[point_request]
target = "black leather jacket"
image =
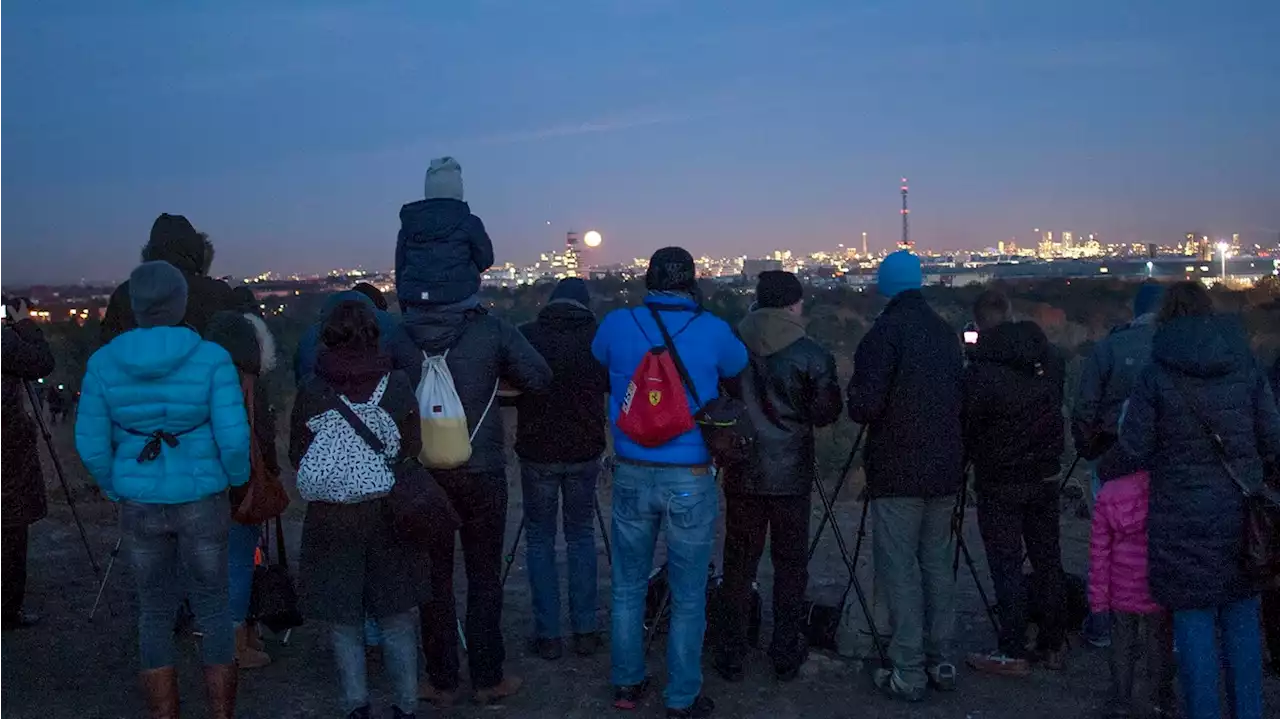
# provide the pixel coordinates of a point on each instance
(790, 387)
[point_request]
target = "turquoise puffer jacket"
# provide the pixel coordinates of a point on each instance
(163, 379)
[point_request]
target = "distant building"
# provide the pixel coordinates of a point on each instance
(751, 268)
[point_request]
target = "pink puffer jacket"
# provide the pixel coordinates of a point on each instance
(1118, 548)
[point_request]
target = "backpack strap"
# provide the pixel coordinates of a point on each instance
(381, 389)
(675, 355)
(484, 414)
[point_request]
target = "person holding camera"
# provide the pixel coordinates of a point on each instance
(26, 358)
(1014, 436)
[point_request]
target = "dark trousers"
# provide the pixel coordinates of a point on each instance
(481, 502)
(14, 571)
(1271, 626)
(748, 518)
(1131, 636)
(1008, 517)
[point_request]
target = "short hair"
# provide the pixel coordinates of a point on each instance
(992, 308)
(1186, 299)
(351, 325)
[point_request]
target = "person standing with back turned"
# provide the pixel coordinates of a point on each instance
(1202, 405)
(666, 487)
(789, 389)
(559, 439)
(907, 388)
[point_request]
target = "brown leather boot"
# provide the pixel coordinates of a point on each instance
(220, 686)
(246, 656)
(161, 689)
(496, 693)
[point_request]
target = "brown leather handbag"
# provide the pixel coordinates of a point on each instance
(264, 495)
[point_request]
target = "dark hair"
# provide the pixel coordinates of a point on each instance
(991, 308)
(1186, 299)
(351, 325)
(373, 293)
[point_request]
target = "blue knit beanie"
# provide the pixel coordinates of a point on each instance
(1148, 299)
(899, 272)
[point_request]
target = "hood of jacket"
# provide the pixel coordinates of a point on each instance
(1020, 345)
(436, 329)
(769, 330)
(565, 315)
(433, 219)
(184, 252)
(236, 334)
(154, 352)
(1210, 346)
(1128, 500)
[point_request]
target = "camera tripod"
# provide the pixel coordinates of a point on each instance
(66, 489)
(962, 549)
(510, 557)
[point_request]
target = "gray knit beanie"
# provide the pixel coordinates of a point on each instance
(158, 295)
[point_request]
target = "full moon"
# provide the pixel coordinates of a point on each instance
(592, 239)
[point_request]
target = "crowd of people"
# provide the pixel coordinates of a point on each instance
(1172, 410)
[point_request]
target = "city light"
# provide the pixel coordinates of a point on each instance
(1222, 253)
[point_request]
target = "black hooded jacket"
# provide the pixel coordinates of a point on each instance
(1013, 421)
(483, 349)
(205, 295)
(1194, 530)
(440, 252)
(907, 387)
(789, 388)
(566, 421)
(252, 349)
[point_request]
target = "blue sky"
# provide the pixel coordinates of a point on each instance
(293, 133)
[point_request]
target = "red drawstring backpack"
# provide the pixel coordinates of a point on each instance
(655, 409)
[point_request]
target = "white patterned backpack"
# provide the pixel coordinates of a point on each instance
(339, 466)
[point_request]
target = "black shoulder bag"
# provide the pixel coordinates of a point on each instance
(1260, 551)
(725, 424)
(273, 600)
(419, 506)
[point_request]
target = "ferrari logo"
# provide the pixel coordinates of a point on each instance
(655, 396)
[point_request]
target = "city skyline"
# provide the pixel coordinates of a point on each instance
(292, 135)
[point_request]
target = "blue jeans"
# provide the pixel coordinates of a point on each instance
(165, 544)
(683, 502)
(543, 486)
(399, 655)
(242, 543)
(1199, 661)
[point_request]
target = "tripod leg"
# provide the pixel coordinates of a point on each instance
(604, 533)
(62, 479)
(844, 474)
(115, 552)
(657, 620)
(963, 548)
(853, 576)
(511, 555)
(462, 635)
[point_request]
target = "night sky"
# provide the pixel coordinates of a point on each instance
(293, 135)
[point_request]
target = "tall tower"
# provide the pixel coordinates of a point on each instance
(906, 243)
(864, 244)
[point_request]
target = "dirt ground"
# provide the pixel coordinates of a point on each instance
(71, 667)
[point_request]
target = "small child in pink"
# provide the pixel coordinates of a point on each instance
(1118, 584)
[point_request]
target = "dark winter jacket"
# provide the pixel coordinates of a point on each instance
(789, 387)
(1107, 377)
(1194, 520)
(26, 358)
(392, 340)
(253, 350)
(566, 421)
(440, 253)
(483, 349)
(907, 387)
(205, 295)
(1014, 431)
